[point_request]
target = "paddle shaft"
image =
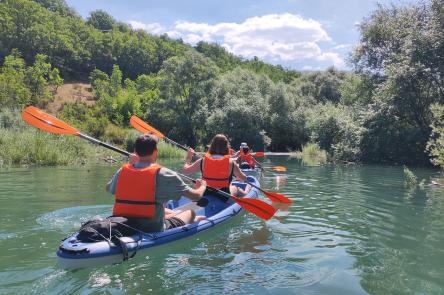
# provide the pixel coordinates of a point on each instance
(101, 143)
(176, 144)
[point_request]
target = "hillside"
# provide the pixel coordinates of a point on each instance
(71, 93)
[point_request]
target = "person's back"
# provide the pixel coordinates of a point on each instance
(217, 167)
(217, 171)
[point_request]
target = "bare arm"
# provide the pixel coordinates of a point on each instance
(256, 162)
(191, 168)
(196, 193)
(238, 173)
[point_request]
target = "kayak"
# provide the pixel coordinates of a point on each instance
(74, 254)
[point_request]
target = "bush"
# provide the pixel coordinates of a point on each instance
(338, 130)
(29, 146)
(312, 155)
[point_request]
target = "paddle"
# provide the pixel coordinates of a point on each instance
(144, 127)
(46, 122)
(279, 168)
(38, 118)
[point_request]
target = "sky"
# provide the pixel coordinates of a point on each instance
(297, 34)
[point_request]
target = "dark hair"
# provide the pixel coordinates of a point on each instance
(145, 145)
(219, 145)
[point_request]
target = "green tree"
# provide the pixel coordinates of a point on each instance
(21, 85)
(184, 83)
(58, 6)
(101, 20)
(238, 107)
(435, 145)
(338, 130)
(285, 120)
(14, 91)
(401, 52)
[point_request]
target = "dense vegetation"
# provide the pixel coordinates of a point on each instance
(381, 112)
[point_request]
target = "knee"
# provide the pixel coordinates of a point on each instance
(192, 214)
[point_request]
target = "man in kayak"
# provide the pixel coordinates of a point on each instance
(245, 158)
(142, 186)
(217, 167)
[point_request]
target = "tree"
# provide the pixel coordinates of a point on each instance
(401, 52)
(184, 83)
(101, 20)
(435, 145)
(58, 6)
(238, 107)
(13, 89)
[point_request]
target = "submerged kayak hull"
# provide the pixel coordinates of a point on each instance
(73, 254)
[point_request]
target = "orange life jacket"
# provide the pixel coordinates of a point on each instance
(247, 158)
(135, 192)
(216, 172)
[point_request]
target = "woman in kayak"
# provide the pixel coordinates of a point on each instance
(217, 167)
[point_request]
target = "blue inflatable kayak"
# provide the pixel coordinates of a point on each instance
(73, 254)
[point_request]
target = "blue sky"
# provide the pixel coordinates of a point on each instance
(297, 34)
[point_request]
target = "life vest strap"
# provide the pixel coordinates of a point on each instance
(210, 178)
(134, 202)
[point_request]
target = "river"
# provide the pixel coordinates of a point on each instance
(351, 230)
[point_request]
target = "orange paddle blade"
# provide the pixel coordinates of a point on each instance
(143, 127)
(257, 207)
(38, 118)
(277, 197)
(259, 154)
(279, 168)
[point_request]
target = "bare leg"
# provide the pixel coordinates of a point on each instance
(186, 216)
(170, 213)
(236, 191)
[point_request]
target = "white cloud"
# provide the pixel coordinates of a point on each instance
(278, 37)
(153, 28)
(342, 46)
(333, 57)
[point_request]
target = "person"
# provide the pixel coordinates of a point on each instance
(217, 167)
(142, 186)
(245, 158)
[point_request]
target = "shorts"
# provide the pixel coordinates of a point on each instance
(223, 198)
(173, 222)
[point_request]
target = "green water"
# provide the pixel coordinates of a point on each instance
(351, 230)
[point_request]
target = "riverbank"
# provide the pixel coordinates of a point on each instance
(23, 145)
(28, 146)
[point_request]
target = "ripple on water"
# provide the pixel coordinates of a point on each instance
(67, 219)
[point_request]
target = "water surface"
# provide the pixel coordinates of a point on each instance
(351, 230)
